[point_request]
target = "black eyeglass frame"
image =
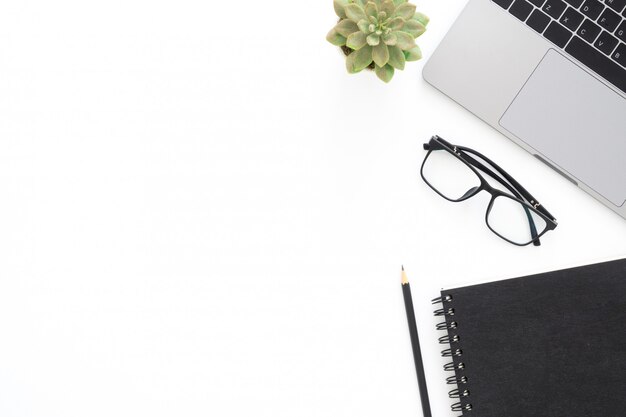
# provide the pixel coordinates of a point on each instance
(518, 193)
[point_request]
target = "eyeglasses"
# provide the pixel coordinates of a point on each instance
(452, 172)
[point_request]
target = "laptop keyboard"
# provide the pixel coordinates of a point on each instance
(592, 31)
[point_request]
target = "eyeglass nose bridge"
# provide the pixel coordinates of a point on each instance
(495, 192)
(484, 185)
(471, 192)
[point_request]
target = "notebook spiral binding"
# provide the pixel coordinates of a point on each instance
(460, 380)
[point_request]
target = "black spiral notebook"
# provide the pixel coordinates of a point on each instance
(546, 345)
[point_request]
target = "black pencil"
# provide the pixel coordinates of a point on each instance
(415, 343)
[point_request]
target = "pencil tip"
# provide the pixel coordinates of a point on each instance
(405, 279)
(403, 267)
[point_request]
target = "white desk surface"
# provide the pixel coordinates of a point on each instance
(203, 215)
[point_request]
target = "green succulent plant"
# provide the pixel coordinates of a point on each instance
(378, 33)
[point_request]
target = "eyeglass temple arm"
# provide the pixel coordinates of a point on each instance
(532, 200)
(479, 165)
(517, 185)
(483, 168)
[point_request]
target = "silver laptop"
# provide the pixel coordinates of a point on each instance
(551, 76)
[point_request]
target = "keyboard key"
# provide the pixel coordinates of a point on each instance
(606, 43)
(621, 31)
(617, 5)
(601, 64)
(589, 31)
(557, 34)
(538, 21)
(592, 9)
(620, 55)
(554, 8)
(521, 9)
(537, 3)
(575, 3)
(503, 3)
(609, 19)
(571, 19)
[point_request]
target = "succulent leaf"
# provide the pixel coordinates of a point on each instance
(422, 18)
(359, 60)
(355, 12)
(380, 53)
(385, 73)
(373, 39)
(339, 5)
(335, 38)
(346, 28)
(371, 9)
(405, 11)
(396, 57)
(414, 54)
(390, 38)
(364, 26)
(388, 8)
(356, 41)
(414, 28)
(396, 23)
(399, 2)
(405, 41)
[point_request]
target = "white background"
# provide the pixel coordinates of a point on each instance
(202, 214)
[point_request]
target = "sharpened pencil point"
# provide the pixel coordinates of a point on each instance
(405, 279)
(403, 267)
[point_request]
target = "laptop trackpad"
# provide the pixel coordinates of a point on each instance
(574, 121)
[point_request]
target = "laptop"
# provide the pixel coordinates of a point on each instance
(551, 76)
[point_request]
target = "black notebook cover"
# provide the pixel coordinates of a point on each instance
(547, 345)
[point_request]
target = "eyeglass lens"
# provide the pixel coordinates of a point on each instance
(510, 219)
(448, 175)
